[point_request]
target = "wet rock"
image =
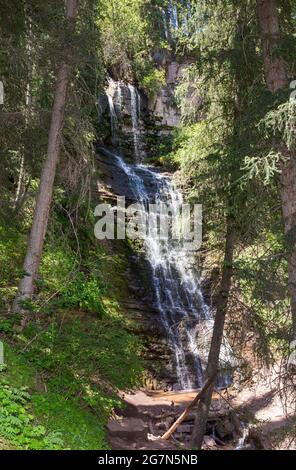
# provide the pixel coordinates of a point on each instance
(208, 443)
(236, 423)
(113, 175)
(224, 428)
(258, 439)
(185, 428)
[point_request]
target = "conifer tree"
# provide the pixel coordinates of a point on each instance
(43, 201)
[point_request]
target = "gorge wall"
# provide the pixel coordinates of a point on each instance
(166, 302)
(136, 124)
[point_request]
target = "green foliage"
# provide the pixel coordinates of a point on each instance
(280, 122)
(128, 36)
(6, 326)
(80, 429)
(80, 349)
(225, 153)
(84, 293)
(152, 80)
(262, 273)
(17, 422)
(123, 34)
(101, 347)
(78, 364)
(12, 245)
(263, 167)
(29, 59)
(75, 289)
(48, 419)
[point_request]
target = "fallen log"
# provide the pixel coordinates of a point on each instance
(187, 410)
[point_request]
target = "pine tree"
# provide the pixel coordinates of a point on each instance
(43, 201)
(276, 80)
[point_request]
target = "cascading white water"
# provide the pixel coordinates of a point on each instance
(173, 14)
(178, 297)
(177, 293)
(115, 102)
(113, 119)
(118, 98)
(176, 17)
(116, 94)
(135, 115)
(138, 99)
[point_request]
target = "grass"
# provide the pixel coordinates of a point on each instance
(62, 372)
(58, 386)
(68, 372)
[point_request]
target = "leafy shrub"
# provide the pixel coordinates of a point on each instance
(77, 350)
(153, 80)
(6, 326)
(73, 288)
(17, 422)
(83, 293)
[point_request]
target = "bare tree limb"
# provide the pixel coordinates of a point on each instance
(181, 418)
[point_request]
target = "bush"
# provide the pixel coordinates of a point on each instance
(17, 422)
(153, 80)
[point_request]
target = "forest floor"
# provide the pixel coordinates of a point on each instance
(258, 408)
(270, 410)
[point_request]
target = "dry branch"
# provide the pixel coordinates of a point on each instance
(181, 418)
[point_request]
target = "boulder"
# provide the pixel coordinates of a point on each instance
(224, 428)
(208, 443)
(131, 428)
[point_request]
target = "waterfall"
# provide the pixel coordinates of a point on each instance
(113, 120)
(116, 105)
(173, 14)
(139, 103)
(176, 289)
(176, 16)
(165, 25)
(118, 98)
(135, 114)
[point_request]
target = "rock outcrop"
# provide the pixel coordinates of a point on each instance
(163, 105)
(139, 123)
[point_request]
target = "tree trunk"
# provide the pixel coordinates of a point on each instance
(28, 106)
(213, 359)
(227, 269)
(44, 197)
(276, 78)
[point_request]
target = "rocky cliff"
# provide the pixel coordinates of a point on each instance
(140, 125)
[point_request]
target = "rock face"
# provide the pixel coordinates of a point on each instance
(163, 106)
(113, 178)
(136, 124)
(117, 180)
(124, 108)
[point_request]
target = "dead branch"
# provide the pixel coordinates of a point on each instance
(181, 418)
